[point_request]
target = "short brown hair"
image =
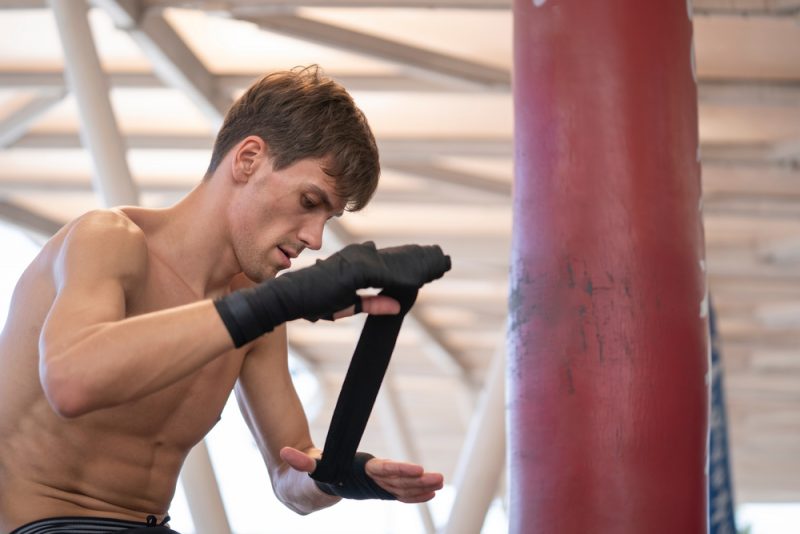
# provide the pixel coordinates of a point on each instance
(302, 114)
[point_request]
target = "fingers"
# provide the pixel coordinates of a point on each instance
(298, 460)
(408, 482)
(414, 265)
(387, 468)
(380, 305)
(373, 305)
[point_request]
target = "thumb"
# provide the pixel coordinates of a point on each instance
(298, 460)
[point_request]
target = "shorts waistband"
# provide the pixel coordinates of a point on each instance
(83, 525)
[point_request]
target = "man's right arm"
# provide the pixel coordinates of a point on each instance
(91, 355)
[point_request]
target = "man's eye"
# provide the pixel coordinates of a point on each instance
(308, 202)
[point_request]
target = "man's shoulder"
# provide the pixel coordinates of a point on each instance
(106, 226)
(106, 236)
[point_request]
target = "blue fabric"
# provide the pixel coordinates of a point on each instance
(720, 488)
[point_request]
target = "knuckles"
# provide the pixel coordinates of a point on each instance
(407, 265)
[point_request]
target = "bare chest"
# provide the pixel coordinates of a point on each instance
(186, 410)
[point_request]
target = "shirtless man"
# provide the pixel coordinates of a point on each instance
(129, 330)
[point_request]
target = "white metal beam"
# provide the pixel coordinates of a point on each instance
(173, 61)
(90, 88)
(482, 457)
(781, 250)
(28, 220)
(727, 92)
(414, 149)
(132, 141)
(271, 6)
(750, 154)
(436, 172)
(737, 7)
(427, 63)
(422, 149)
(202, 493)
(31, 185)
(232, 82)
(741, 93)
(747, 7)
(399, 437)
(17, 123)
(706, 7)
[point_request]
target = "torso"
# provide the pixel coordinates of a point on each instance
(120, 462)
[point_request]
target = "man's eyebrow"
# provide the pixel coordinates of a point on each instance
(324, 198)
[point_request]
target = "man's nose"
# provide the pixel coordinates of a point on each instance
(311, 235)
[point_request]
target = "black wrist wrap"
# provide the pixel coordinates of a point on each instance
(249, 313)
(319, 291)
(242, 322)
(357, 484)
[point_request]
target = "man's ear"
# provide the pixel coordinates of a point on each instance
(247, 156)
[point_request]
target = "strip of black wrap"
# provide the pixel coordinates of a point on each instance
(328, 286)
(360, 388)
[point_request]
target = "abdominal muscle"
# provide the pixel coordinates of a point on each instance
(120, 462)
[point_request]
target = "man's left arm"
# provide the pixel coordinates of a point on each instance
(276, 418)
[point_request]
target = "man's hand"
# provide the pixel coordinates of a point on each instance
(298, 460)
(408, 482)
(373, 305)
(328, 287)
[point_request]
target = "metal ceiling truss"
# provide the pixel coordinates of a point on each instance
(175, 64)
(17, 123)
(425, 62)
(779, 8)
(417, 148)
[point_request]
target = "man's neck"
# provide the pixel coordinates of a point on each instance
(192, 239)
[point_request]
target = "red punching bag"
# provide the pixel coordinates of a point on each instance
(608, 343)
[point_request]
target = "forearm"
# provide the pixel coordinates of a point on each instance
(117, 362)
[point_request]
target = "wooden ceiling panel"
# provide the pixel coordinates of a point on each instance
(747, 47)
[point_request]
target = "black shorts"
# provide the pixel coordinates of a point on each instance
(91, 525)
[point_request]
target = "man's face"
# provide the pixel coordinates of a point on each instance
(278, 214)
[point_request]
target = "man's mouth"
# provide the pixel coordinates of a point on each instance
(287, 255)
(290, 253)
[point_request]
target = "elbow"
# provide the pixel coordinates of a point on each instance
(309, 501)
(292, 502)
(301, 506)
(298, 492)
(296, 509)
(64, 391)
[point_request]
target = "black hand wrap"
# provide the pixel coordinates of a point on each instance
(359, 390)
(357, 484)
(329, 286)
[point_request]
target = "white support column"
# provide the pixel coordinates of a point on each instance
(202, 493)
(398, 436)
(89, 85)
(482, 457)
